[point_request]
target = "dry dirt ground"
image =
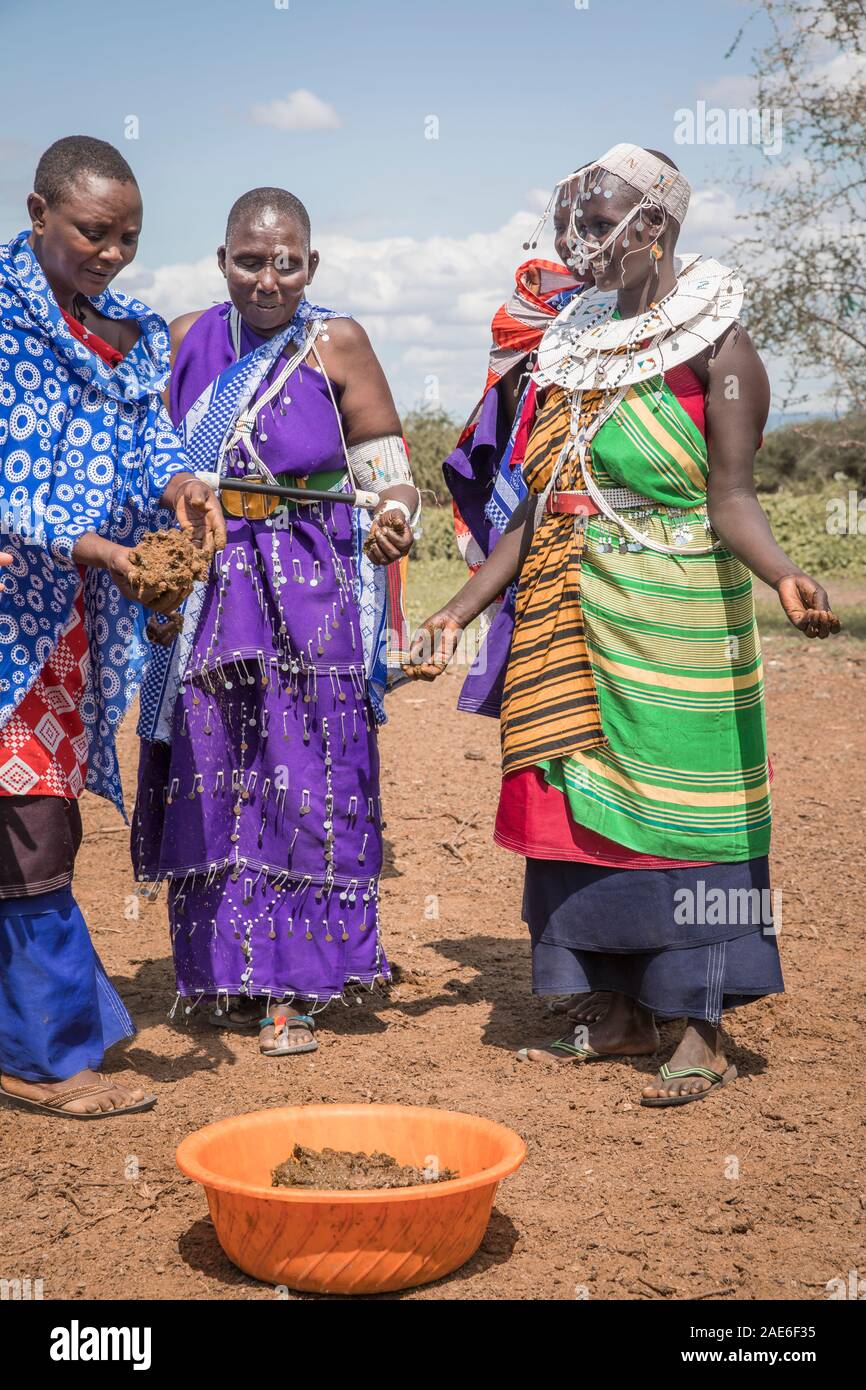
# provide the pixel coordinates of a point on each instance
(757, 1193)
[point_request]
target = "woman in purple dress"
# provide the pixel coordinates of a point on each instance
(258, 799)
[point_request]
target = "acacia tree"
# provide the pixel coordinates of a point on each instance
(807, 206)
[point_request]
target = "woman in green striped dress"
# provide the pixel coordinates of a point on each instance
(635, 771)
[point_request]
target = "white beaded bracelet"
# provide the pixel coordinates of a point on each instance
(412, 517)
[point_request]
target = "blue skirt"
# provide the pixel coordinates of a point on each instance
(684, 943)
(58, 1010)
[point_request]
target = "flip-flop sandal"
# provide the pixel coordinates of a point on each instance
(53, 1106)
(670, 1074)
(282, 1024)
(562, 1047)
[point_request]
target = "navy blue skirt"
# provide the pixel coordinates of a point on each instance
(684, 943)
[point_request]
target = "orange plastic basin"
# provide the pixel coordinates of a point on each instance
(350, 1242)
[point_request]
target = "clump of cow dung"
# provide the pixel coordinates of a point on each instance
(340, 1170)
(166, 562)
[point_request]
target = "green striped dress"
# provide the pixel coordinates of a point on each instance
(675, 655)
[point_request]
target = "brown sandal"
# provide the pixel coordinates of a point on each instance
(55, 1104)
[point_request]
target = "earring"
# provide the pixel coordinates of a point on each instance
(656, 251)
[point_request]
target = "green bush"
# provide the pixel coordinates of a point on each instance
(800, 524)
(812, 453)
(431, 436)
(437, 534)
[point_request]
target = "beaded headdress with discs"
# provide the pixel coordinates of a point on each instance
(585, 346)
(596, 356)
(659, 184)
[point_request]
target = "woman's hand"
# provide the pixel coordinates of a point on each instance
(124, 576)
(118, 566)
(163, 634)
(198, 512)
(807, 605)
(532, 279)
(390, 537)
(433, 646)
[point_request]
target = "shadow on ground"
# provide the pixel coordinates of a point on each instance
(200, 1250)
(502, 982)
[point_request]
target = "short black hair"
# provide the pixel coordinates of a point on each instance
(665, 158)
(258, 199)
(65, 160)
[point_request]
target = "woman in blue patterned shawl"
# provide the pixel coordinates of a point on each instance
(90, 462)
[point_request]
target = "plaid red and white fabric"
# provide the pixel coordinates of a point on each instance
(43, 745)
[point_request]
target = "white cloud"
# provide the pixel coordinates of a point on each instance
(841, 71)
(176, 289)
(538, 198)
(830, 71)
(300, 110)
(710, 222)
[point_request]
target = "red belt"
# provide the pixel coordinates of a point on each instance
(573, 503)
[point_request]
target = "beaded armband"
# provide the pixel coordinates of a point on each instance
(380, 463)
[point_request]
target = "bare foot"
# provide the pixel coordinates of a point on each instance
(625, 1030)
(568, 1002)
(591, 1008)
(700, 1047)
(104, 1095)
(587, 1007)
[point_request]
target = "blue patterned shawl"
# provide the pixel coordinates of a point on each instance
(205, 429)
(84, 447)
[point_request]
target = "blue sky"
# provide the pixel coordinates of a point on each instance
(521, 93)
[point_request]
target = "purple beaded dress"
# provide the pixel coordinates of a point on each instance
(263, 812)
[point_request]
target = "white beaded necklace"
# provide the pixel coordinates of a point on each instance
(586, 348)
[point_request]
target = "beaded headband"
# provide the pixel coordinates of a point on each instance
(658, 182)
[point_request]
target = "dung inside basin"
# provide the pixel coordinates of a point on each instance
(350, 1242)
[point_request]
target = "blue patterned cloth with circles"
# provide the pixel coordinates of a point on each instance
(83, 447)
